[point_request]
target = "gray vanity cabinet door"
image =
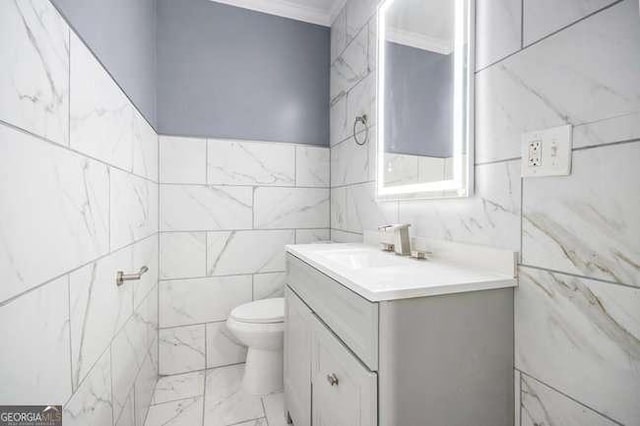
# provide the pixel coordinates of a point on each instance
(297, 359)
(344, 390)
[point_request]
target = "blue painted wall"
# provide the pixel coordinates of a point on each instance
(122, 34)
(418, 97)
(227, 72)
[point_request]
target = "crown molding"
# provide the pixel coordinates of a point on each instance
(286, 9)
(419, 41)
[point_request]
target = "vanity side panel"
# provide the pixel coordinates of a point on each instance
(448, 359)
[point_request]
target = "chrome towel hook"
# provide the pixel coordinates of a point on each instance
(121, 277)
(361, 119)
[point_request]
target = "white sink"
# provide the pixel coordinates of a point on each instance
(358, 258)
(378, 275)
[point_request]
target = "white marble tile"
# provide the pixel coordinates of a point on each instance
(144, 389)
(247, 252)
(617, 129)
(355, 209)
(145, 253)
(338, 120)
(308, 236)
(34, 68)
(183, 160)
(127, 416)
(183, 254)
(312, 166)
(57, 199)
(197, 208)
(186, 412)
(222, 347)
(40, 325)
(586, 73)
(262, 421)
(147, 321)
(581, 337)
(543, 17)
(145, 148)
(339, 34)
(128, 351)
(196, 301)
(400, 169)
(498, 30)
(99, 308)
(274, 409)
(291, 208)
(232, 162)
(361, 100)
(350, 163)
(225, 401)
(587, 223)
(544, 406)
(490, 217)
(134, 208)
(372, 54)
(102, 118)
(338, 236)
(182, 349)
(350, 67)
(91, 403)
(266, 286)
(431, 169)
(179, 386)
(358, 13)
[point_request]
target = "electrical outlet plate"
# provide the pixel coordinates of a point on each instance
(547, 152)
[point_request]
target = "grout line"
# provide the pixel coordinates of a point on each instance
(496, 62)
(606, 144)
(522, 6)
(70, 271)
(584, 277)
(215, 139)
(240, 230)
(567, 396)
(196, 324)
(227, 185)
(70, 335)
(72, 150)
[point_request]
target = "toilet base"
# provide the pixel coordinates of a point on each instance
(263, 372)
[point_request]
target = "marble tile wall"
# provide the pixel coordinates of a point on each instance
(227, 209)
(78, 201)
(539, 64)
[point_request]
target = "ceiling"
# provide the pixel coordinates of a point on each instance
(321, 12)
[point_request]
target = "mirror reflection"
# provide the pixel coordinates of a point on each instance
(422, 87)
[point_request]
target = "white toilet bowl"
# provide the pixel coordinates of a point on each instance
(259, 325)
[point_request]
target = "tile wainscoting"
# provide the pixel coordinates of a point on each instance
(78, 201)
(227, 209)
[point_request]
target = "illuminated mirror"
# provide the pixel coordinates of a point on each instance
(425, 99)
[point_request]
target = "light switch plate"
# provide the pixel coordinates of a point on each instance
(547, 152)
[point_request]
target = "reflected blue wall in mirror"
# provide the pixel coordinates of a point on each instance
(419, 91)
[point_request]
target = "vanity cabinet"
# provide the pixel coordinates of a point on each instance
(444, 360)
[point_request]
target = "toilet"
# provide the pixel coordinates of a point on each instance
(259, 325)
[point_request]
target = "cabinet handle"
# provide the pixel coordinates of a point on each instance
(332, 379)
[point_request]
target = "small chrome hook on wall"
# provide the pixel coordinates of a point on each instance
(361, 119)
(121, 277)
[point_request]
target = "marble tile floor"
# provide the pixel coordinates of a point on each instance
(212, 397)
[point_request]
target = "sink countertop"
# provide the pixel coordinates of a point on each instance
(379, 276)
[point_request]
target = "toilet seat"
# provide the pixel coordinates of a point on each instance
(266, 311)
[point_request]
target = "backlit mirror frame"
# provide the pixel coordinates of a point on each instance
(462, 183)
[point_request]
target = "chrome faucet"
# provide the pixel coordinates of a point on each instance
(395, 238)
